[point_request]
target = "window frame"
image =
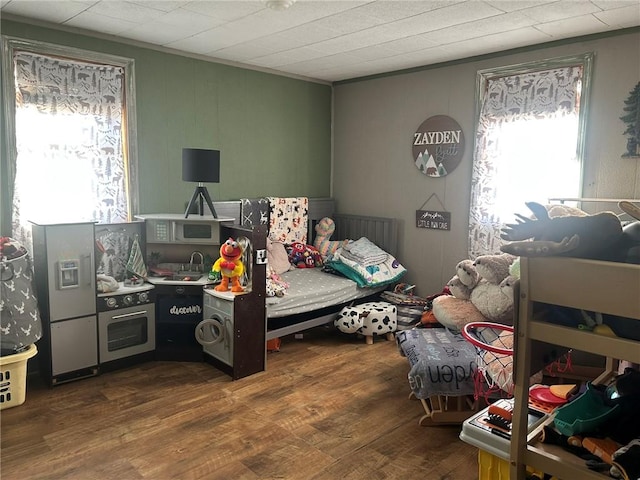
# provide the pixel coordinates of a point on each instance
(9, 46)
(585, 60)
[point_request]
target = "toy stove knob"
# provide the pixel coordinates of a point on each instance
(143, 297)
(111, 302)
(128, 300)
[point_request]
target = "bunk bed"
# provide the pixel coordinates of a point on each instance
(258, 318)
(592, 285)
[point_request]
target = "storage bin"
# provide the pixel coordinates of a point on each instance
(585, 413)
(13, 377)
(491, 467)
(493, 449)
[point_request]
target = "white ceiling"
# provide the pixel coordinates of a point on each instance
(332, 40)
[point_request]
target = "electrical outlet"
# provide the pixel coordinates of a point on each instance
(261, 256)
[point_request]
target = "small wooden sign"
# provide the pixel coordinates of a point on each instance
(433, 220)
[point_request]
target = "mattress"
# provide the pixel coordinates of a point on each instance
(312, 289)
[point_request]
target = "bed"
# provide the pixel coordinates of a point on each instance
(258, 317)
(596, 286)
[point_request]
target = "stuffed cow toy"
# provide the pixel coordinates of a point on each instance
(368, 319)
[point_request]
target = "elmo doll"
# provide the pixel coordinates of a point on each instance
(229, 266)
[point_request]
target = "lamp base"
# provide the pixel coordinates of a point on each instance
(201, 195)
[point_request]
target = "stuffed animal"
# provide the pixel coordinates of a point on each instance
(229, 266)
(490, 296)
(277, 264)
(482, 291)
(583, 236)
(467, 273)
(459, 289)
(493, 268)
(464, 281)
(324, 230)
(454, 313)
(277, 258)
(368, 319)
(276, 286)
(304, 256)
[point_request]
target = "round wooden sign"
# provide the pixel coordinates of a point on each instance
(438, 146)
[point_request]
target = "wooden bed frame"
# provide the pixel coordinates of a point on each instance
(590, 285)
(251, 326)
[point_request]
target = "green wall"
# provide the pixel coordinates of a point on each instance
(274, 132)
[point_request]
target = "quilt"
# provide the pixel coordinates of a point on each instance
(441, 362)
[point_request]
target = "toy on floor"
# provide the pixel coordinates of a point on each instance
(368, 319)
(229, 266)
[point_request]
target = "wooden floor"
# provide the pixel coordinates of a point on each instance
(328, 407)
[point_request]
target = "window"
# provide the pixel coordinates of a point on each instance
(529, 142)
(72, 151)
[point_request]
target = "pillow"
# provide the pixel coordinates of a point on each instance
(277, 258)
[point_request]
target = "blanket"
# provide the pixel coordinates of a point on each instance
(364, 252)
(288, 219)
(441, 362)
(376, 275)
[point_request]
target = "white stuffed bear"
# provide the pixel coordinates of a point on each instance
(481, 291)
(490, 296)
(456, 310)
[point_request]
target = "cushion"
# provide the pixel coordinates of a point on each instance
(277, 257)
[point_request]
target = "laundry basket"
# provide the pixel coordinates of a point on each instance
(13, 377)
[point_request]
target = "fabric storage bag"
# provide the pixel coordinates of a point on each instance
(410, 308)
(20, 324)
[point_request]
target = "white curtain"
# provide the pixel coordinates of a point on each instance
(70, 163)
(525, 149)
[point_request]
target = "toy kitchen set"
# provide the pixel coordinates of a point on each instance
(180, 252)
(99, 315)
(85, 332)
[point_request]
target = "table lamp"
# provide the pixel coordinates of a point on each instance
(199, 165)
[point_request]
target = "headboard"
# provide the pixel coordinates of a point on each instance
(380, 230)
(318, 209)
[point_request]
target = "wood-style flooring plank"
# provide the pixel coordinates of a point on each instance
(328, 407)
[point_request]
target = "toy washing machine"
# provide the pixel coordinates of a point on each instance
(215, 331)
